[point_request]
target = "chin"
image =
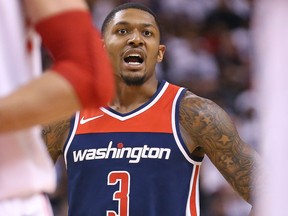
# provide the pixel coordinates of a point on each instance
(134, 81)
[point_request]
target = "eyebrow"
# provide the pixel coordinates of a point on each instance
(142, 24)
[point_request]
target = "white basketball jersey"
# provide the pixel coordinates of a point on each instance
(25, 166)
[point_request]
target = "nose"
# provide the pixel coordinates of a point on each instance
(135, 39)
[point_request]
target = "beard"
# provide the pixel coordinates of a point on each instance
(133, 81)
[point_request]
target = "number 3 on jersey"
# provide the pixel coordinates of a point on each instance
(122, 195)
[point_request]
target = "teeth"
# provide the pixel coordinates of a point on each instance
(133, 63)
(134, 55)
(133, 59)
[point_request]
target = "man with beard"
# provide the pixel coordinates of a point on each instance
(141, 155)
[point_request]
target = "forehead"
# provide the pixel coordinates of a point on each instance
(133, 16)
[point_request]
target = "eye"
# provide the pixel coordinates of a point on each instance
(147, 33)
(122, 31)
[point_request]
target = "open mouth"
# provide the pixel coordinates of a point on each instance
(134, 59)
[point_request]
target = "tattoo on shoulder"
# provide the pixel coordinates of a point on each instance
(202, 117)
(54, 136)
(213, 130)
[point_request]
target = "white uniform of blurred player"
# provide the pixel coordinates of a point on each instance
(26, 171)
(271, 80)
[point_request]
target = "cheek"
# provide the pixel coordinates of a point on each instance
(109, 44)
(154, 56)
(112, 50)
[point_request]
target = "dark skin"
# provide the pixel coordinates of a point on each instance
(205, 127)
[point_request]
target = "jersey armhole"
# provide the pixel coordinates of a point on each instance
(176, 129)
(73, 127)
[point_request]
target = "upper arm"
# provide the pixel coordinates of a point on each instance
(54, 136)
(211, 129)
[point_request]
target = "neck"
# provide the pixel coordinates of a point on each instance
(129, 98)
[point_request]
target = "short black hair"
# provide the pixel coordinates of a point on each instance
(129, 5)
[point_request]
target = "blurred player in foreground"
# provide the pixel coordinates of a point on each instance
(81, 76)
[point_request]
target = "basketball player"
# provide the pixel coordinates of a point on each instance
(26, 170)
(141, 155)
(80, 77)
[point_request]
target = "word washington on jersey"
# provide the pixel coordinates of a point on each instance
(135, 153)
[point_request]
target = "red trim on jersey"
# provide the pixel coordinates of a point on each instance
(142, 122)
(193, 203)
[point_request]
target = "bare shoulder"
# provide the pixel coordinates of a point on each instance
(54, 136)
(204, 120)
(211, 130)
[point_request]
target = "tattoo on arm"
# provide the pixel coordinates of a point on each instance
(54, 136)
(213, 130)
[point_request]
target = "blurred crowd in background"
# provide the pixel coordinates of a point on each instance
(209, 51)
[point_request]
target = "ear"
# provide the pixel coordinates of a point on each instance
(161, 52)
